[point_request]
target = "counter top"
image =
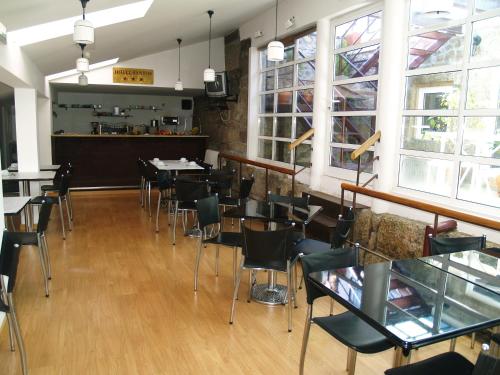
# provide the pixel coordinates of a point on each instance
(127, 136)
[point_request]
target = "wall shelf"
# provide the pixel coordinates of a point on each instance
(109, 114)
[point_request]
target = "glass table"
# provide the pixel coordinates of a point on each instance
(272, 293)
(411, 302)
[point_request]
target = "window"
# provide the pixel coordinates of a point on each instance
(356, 47)
(450, 135)
(286, 101)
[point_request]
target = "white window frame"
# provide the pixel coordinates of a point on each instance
(294, 114)
(335, 172)
(461, 113)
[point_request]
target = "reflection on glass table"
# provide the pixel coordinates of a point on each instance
(413, 303)
(477, 267)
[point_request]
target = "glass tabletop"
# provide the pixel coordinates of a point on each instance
(412, 302)
(475, 266)
(277, 212)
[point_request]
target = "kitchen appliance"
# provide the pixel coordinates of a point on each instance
(116, 111)
(168, 120)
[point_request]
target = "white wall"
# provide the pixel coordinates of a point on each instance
(194, 59)
(17, 69)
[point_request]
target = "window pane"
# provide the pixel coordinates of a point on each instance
(484, 5)
(305, 72)
(355, 97)
(358, 31)
(282, 152)
(284, 127)
(429, 133)
(357, 63)
(424, 13)
(485, 40)
(303, 124)
(484, 88)
(433, 91)
(436, 48)
(285, 100)
(479, 183)
(352, 129)
(267, 103)
(303, 154)
(341, 158)
(429, 175)
(264, 62)
(285, 77)
(266, 126)
(265, 149)
(305, 99)
(289, 51)
(267, 80)
(482, 137)
(306, 46)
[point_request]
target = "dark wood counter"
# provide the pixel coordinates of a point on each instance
(111, 160)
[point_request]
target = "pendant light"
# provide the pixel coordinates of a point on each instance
(82, 63)
(178, 85)
(209, 73)
(83, 80)
(276, 49)
(83, 30)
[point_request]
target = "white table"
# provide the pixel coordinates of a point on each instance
(14, 205)
(175, 165)
(45, 167)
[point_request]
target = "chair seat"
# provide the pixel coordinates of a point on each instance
(232, 239)
(25, 238)
(49, 187)
(187, 206)
(309, 246)
(354, 332)
(229, 201)
(446, 363)
(39, 199)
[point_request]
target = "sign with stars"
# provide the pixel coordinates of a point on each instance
(133, 76)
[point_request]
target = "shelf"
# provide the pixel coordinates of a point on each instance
(80, 106)
(142, 108)
(109, 114)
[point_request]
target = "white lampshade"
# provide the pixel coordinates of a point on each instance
(82, 64)
(83, 32)
(83, 80)
(179, 86)
(209, 75)
(275, 51)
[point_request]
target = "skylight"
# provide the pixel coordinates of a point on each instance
(56, 29)
(71, 72)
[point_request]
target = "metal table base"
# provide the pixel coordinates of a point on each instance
(270, 293)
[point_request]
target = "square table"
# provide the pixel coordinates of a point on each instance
(411, 302)
(43, 167)
(14, 205)
(175, 165)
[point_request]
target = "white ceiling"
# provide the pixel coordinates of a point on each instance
(165, 21)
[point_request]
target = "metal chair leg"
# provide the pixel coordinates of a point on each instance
(47, 257)
(236, 287)
(235, 263)
(250, 285)
(351, 361)
(42, 263)
(175, 220)
(305, 338)
(70, 201)
(197, 265)
(453, 344)
(17, 331)
(331, 305)
(70, 224)
(473, 340)
(149, 197)
(62, 217)
(217, 260)
(158, 212)
(290, 294)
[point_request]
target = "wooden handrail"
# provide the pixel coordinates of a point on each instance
(256, 163)
(366, 145)
(437, 210)
(301, 139)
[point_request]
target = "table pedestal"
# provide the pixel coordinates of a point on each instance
(270, 293)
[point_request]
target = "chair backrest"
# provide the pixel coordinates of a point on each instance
(190, 190)
(9, 259)
(343, 228)
(208, 211)
(337, 258)
(294, 201)
(65, 181)
(165, 180)
(223, 179)
(246, 187)
(140, 167)
(447, 245)
(207, 167)
(44, 215)
(268, 249)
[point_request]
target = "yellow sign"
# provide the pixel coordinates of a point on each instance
(133, 76)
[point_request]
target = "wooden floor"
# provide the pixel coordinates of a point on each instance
(122, 302)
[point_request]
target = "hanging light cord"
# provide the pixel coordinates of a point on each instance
(276, 23)
(179, 42)
(82, 46)
(210, 13)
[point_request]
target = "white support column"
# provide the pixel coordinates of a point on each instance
(390, 88)
(321, 102)
(44, 118)
(26, 129)
(253, 103)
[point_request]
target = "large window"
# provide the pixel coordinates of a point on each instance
(450, 137)
(355, 50)
(286, 101)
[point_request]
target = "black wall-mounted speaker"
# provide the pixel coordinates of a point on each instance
(187, 104)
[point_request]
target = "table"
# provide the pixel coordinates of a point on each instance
(475, 266)
(14, 205)
(175, 165)
(272, 293)
(411, 302)
(46, 167)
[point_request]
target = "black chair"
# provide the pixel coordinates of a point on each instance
(9, 261)
(269, 250)
(142, 183)
(346, 327)
(447, 245)
(39, 239)
(165, 197)
(207, 168)
(187, 191)
(149, 180)
(221, 181)
(65, 168)
(245, 190)
(209, 222)
(302, 202)
(454, 363)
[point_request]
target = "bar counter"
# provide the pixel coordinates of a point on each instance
(109, 160)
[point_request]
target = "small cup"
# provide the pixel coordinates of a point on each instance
(156, 160)
(192, 163)
(183, 160)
